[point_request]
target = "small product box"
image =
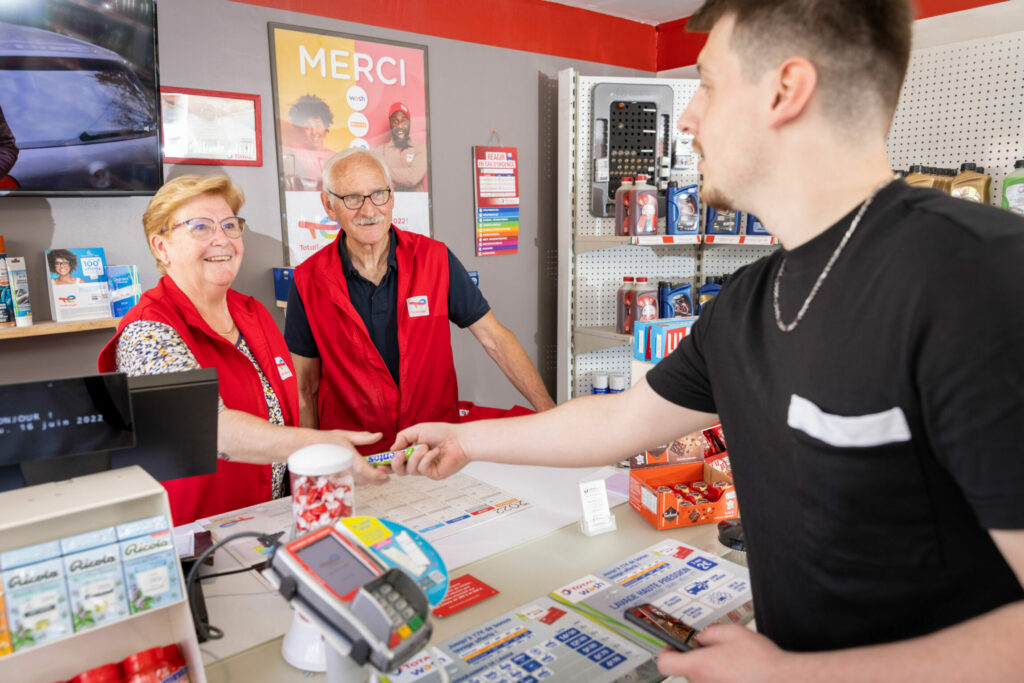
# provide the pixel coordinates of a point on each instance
(282, 285)
(721, 222)
(666, 336)
(674, 496)
(641, 339)
(5, 632)
(36, 595)
(687, 449)
(92, 562)
(150, 564)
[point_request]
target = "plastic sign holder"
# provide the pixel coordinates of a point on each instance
(597, 515)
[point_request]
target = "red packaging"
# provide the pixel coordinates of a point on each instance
(147, 666)
(108, 673)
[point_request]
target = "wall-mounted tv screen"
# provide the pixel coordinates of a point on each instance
(79, 107)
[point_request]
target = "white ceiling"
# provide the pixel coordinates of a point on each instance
(646, 11)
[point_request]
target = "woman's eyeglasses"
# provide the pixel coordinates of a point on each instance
(204, 229)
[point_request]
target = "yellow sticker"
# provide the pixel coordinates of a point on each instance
(369, 530)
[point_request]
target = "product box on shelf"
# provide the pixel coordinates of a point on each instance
(92, 562)
(150, 563)
(35, 594)
(685, 449)
(665, 337)
(651, 493)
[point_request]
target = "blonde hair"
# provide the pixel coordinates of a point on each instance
(176, 192)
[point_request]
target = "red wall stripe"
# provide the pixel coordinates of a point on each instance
(545, 27)
(530, 25)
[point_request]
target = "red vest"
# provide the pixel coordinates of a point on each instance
(235, 484)
(356, 390)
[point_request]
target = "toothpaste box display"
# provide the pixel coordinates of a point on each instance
(35, 594)
(92, 562)
(150, 563)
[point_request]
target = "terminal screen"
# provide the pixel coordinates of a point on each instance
(61, 417)
(335, 564)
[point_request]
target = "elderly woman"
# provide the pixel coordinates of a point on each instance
(193, 319)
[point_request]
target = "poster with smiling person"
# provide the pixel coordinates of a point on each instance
(333, 91)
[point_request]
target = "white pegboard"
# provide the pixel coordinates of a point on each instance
(598, 275)
(610, 361)
(725, 259)
(963, 102)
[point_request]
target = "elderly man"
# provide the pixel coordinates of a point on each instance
(368, 316)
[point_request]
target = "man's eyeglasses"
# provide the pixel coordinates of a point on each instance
(354, 202)
(204, 229)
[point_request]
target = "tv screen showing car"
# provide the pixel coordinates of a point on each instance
(79, 98)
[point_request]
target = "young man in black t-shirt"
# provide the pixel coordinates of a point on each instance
(868, 376)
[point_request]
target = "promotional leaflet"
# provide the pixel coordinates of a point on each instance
(538, 641)
(696, 587)
(496, 177)
(77, 279)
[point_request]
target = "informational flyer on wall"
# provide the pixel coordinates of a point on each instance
(333, 91)
(496, 176)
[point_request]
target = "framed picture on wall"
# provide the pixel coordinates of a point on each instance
(333, 91)
(211, 127)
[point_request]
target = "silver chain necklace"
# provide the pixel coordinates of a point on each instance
(824, 273)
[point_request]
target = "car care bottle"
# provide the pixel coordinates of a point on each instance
(972, 185)
(645, 301)
(918, 177)
(622, 206)
(643, 215)
(624, 307)
(1013, 189)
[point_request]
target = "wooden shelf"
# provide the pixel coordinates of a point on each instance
(50, 327)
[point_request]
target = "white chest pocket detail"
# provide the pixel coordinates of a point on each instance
(857, 431)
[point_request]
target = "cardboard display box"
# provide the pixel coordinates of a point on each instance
(661, 508)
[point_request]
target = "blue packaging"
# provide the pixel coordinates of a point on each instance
(721, 222)
(96, 586)
(754, 226)
(682, 214)
(282, 285)
(707, 292)
(150, 571)
(142, 526)
(641, 339)
(676, 302)
(36, 595)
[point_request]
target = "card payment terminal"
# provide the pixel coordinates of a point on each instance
(380, 614)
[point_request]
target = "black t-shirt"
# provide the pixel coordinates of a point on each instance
(377, 305)
(875, 444)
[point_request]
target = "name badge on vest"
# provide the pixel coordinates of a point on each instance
(282, 368)
(418, 306)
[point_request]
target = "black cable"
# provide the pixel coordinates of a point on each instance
(211, 632)
(250, 568)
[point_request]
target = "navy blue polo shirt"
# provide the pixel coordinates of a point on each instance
(377, 305)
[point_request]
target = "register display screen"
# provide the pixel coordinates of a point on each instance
(335, 564)
(54, 418)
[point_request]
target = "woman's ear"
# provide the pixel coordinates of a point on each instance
(158, 243)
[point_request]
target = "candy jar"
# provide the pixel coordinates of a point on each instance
(321, 478)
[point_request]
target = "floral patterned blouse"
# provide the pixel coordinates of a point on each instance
(147, 347)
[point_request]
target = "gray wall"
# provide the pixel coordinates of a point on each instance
(221, 45)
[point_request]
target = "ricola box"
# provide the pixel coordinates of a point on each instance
(36, 595)
(92, 563)
(150, 563)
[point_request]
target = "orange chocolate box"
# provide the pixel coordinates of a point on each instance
(661, 508)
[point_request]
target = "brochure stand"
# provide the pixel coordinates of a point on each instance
(48, 512)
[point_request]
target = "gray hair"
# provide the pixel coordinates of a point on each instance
(348, 153)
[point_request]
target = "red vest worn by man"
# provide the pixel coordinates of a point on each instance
(235, 484)
(356, 390)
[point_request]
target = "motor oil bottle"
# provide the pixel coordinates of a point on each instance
(1013, 189)
(919, 177)
(643, 201)
(624, 307)
(645, 301)
(622, 200)
(972, 185)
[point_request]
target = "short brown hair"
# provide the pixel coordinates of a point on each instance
(860, 48)
(176, 192)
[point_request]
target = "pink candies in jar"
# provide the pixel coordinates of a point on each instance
(321, 480)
